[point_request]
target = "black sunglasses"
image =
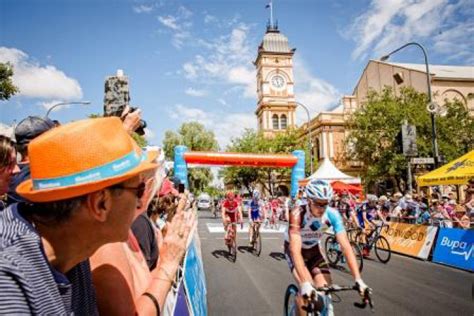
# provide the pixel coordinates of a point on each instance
(139, 190)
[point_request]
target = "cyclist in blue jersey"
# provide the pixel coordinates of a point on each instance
(255, 214)
(306, 226)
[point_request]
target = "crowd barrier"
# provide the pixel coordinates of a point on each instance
(188, 296)
(455, 247)
(409, 239)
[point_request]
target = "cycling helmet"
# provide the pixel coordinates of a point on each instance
(372, 198)
(319, 190)
(256, 194)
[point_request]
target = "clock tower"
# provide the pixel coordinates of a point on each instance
(276, 100)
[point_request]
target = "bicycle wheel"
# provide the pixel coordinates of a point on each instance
(233, 251)
(331, 247)
(257, 246)
(290, 308)
(382, 249)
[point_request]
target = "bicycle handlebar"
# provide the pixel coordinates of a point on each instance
(366, 299)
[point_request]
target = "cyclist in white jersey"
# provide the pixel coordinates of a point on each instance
(306, 227)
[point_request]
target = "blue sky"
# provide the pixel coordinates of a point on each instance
(192, 60)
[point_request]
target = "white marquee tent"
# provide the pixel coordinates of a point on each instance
(327, 171)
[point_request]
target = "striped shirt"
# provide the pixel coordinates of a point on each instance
(28, 283)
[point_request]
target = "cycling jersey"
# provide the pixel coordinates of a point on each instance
(255, 207)
(370, 213)
(311, 228)
(231, 207)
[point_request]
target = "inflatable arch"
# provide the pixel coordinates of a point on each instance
(295, 161)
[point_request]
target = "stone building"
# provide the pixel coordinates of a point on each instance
(328, 129)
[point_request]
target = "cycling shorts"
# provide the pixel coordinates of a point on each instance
(313, 259)
(232, 216)
(255, 216)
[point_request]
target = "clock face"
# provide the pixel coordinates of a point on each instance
(277, 81)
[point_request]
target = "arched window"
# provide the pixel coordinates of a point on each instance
(283, 122)
(276, 124)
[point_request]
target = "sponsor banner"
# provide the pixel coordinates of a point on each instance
(194, 281)
(409, 239)
(455, 247)
(181, 308)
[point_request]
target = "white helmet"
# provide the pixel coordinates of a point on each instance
(372, 198)
(256, 194)
(319, 190)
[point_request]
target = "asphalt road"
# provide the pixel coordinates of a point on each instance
(256, 285)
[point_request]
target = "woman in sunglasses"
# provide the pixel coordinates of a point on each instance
(306, 226)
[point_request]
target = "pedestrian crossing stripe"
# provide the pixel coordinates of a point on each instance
(219, 228)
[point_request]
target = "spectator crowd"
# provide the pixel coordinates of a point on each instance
(89, 222)
(443, 210)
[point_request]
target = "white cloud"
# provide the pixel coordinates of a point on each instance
(143, 8)
(195, 92)
(179, 25)
(210, 19)
(37, 81)
(228, 62)
(224, 125)
(169, 21)
(315, 93)
(388, 24)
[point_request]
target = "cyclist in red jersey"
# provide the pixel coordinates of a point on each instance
(231, 211)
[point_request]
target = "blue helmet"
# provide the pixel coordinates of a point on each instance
(319, 190)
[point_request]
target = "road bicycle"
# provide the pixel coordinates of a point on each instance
(335, 255)
(274, 222)
(231, 241)
(256, 239)
(320, 302)
(375, 240)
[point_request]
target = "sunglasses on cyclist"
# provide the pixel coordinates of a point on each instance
(139, 190)
(319, 204)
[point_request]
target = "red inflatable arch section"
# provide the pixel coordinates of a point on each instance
(240, 159)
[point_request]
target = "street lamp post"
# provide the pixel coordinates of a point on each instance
(310, 147)
(430, 97)
(66, 103)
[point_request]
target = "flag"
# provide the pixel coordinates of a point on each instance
(269, 5)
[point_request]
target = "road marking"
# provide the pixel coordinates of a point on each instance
(219, 228)
(246, 238)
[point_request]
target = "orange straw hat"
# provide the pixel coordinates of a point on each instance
(82, 157)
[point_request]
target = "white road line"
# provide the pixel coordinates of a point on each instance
(219, 228)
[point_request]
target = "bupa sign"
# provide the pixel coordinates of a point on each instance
(455, 247)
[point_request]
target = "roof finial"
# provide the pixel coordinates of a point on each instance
(270, 6)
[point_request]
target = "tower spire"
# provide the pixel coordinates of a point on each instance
(271, 26)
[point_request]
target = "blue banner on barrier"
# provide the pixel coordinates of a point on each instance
(194, 281)
(181, 307)
(455, 247)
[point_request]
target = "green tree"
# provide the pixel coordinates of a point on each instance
(374, 127)
(7, 88)
(197, 138)
(255, 142)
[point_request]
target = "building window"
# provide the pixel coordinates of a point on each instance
(275, 121)
(283, 122)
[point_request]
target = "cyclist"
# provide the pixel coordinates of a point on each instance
(367, 212)
(231, 212)
(302, 250)
(256, 208)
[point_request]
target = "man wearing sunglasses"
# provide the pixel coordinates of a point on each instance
(306, 226)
